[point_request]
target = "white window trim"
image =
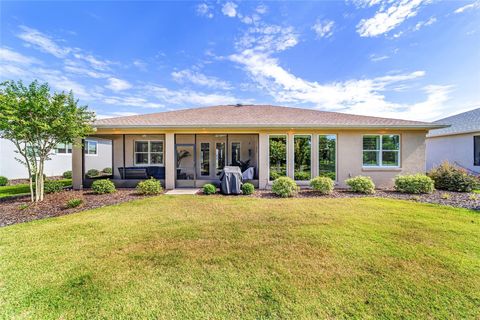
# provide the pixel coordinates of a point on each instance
(286, 151)
(217, 171)
(66, 149)
(311, 154)
(86, 148)
(336, 152)
(380, 151)
(148, 152)
(209, 156)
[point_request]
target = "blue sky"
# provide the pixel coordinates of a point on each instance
(413, 59)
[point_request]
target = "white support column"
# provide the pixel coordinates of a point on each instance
(170, 166)
(263, 160)
(290, 155)
(77, 165)
(315, 159)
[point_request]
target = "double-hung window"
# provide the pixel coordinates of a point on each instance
(63, 148)
(149, 153)
(381, 150)
(90, 147)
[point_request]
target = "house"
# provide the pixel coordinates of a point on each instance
(188, 148)
(98, 154)
(458, 144)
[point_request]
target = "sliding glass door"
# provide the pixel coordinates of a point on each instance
(185, 160)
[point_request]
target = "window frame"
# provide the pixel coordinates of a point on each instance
(217, 170)
(380, 151)
(66, 153)
(311, 154)
(476, 162)
(336, 152)
(149, 152)
(87, 142)
(287, 149)
(239, 151)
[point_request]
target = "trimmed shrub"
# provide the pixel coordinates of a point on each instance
(73, 203)
(302, 176)
(150, 186)
(93, 173)
(103, 186)
(451, 178)
(209, 189)
(285, 187)
(3, 181)
(324, 185)
(361, 184)
(248, 188)
(415, 183)
(52, 186)
(67, 175)
(107, 170)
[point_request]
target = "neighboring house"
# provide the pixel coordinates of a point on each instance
(188, 148)
(458, 144)
(98, 156)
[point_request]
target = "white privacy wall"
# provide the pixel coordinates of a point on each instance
(454, 148)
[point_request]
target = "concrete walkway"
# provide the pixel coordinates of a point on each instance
(183, 191)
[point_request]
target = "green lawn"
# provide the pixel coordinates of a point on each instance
(19, 189)
(186, 257)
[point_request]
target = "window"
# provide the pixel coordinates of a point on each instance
(63, 148)
(235, 153)
(476, 150)
(381, 150)
(219, 156)
(205, 159)
(149, 153)
(277, 156)
(327, 156)
(302, 145)
(90, 147)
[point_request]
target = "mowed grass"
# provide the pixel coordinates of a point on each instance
(24, 188)
(186, 257)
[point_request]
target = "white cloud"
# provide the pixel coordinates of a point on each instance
(9, 55)
(229, 9)
(133, 101)
(94, 62)
(141, 65)
(323, 29)
(201, 79)
(204, 10)
(388, 18)
(377, 58)
(261, 9)
(426, 23)
(42, 42)
(474, 5)
(190, 97)
(116, 84)
(74, 69)
(268, 38)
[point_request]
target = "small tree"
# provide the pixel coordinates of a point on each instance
(36, 121)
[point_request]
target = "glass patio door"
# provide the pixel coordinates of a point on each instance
(185, 160)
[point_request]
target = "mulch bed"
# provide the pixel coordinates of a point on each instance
(17, 210)
(454, 199)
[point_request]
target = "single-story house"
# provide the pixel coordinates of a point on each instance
(458, 144)
(188, 148)
(98, 156)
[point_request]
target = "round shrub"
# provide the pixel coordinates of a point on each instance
(3, 181)
(103, 186)
(451, 178)
(52, 186)
(415, 183)
(107, 170)
(209, 189)
(73, 203)
(285, 187)
(67, 175)
(150, 186)
(361, 184)
(93, 173)
(248, 188)
(324, 185)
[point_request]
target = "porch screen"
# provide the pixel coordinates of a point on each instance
(205, 159)
(219, 156)
(277, 156)
(327, 156)
(302, 156)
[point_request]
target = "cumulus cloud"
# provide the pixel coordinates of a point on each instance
(323, 29)
(388, 17)
(116, 84)
(198, 78)
(204, 10)
(229, 9)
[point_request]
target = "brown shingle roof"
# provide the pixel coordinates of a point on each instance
(255, 116)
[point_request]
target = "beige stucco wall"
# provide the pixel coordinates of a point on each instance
(349, 153)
